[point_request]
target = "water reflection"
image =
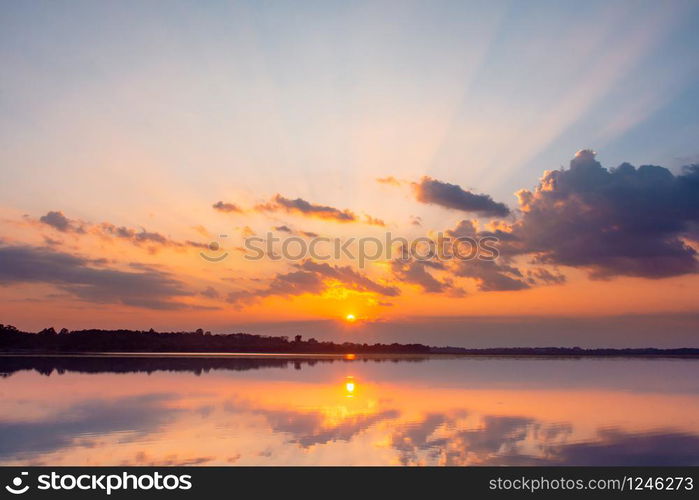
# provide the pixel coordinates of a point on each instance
(281, 410)
(349, 386)
(197, 363)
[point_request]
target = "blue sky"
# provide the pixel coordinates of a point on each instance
(487, 94)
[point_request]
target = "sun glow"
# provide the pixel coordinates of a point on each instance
(350, 318)
(349, 387)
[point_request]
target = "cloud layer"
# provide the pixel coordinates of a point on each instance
(89, 280)
(624, 221)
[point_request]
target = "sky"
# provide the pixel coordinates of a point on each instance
(134, 135)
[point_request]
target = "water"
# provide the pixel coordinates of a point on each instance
(305, 411)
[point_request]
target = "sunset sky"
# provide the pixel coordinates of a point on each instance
(135, 134)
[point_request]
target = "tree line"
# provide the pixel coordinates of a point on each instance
(95, 340)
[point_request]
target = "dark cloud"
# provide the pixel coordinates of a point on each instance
(286, 229)
(624, 221)
(150, 239)
(302, 207)
(137, 237)
(196, 244)
(225, 207)
(141, 237)
(87, 280)
(541, 275)
(310, 277)
(60, 222)
(416, 273)
(452, 196)
(490, 275)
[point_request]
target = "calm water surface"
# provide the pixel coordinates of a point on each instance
(305, 411)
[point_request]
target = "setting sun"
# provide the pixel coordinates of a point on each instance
(351, 318)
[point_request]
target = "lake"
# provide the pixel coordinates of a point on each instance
(304, 410)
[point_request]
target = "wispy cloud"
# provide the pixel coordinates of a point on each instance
(305, 208)
(106, 230)
(390, 180)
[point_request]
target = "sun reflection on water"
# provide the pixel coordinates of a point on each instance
(350, 386)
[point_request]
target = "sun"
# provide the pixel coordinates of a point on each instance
(350, 318)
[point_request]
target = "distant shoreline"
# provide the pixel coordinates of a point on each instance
(551, 353)
(133, 343)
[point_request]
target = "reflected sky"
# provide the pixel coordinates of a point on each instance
(305, 411)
